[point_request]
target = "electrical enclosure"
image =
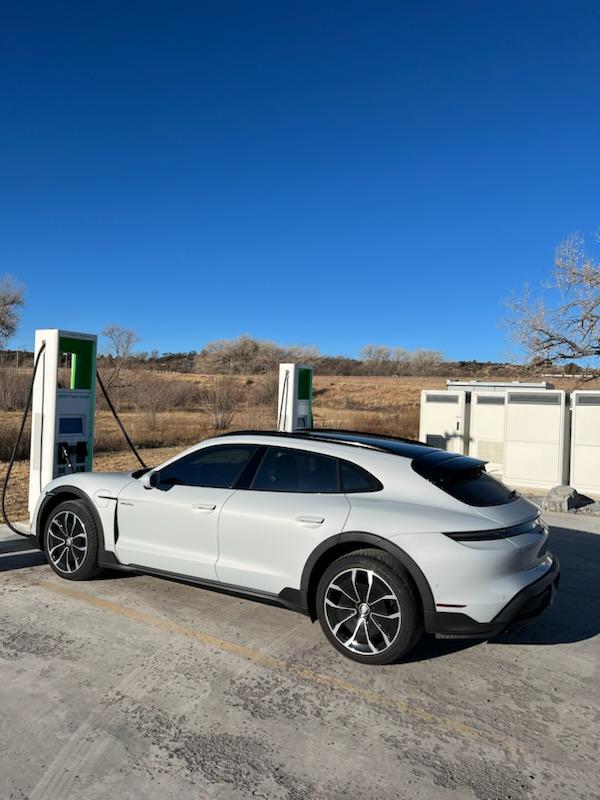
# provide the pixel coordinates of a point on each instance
(536, 436)
(444, 419)
(487, 429)
(585, 442)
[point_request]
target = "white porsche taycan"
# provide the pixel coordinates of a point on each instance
(377, 538)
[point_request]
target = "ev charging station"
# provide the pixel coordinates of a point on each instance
(294, 404)
(62, 420)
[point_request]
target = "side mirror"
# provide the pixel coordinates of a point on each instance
(150, 479)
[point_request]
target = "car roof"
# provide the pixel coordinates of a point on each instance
(387, 444)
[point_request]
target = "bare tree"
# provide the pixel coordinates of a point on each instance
(381, 360)
(401, 359)
(248, 356)
(425, 362)
(376, 357)
(11, 300)
(562, 324)
(220, 402)
(120, 348)
(152, 394)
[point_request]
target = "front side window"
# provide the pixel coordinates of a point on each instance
(284, 470)
(218, 467)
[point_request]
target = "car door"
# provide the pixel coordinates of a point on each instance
(172, 525)
(267, 532)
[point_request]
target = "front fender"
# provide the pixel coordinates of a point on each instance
(63, 492)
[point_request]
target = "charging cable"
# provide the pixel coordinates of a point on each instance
(119, 423)
(13, 456)
(282, 416)
(18, 442)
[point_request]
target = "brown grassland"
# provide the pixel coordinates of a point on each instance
(375, 404)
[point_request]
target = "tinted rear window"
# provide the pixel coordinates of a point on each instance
(464, 479)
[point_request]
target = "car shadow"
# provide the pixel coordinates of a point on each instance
(16, 554)
(574, 615)
(109, 574)
(429, 648)
(15, 561)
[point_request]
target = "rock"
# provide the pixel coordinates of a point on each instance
(563, 499)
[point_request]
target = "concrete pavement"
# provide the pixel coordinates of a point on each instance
(132, 686)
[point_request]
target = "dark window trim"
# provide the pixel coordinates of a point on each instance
(247, 475)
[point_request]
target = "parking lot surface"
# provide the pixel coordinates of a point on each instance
(135, 687)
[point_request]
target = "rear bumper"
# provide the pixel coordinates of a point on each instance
(526, 604)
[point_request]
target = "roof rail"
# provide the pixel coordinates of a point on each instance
(372, 441)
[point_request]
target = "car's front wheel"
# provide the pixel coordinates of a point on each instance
(71, 541)
(368, 607)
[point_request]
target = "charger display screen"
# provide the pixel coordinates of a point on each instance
(70, 425)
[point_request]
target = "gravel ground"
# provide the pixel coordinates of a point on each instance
(137, 687)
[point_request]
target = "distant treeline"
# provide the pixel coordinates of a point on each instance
(247, 356)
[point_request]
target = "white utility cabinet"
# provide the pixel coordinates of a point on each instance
(585, 441)
(444, 419)
(488, 411)
(496, 386)
(536, 449)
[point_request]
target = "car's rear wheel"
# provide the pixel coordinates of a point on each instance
(71, 541)
(368, 607)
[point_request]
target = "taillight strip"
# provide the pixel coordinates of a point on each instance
(533, 526)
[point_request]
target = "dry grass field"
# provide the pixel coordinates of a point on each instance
(16, 505)
(376, 404)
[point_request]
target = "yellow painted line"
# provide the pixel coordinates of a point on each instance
(256, 656)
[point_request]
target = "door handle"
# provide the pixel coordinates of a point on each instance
(204, 507)
(311, 520)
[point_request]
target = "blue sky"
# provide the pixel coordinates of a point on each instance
(333, 174)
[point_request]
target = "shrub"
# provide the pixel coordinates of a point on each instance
(8, 434)
(265, 390)
(220, 402)
(14, 387)
(404, 423)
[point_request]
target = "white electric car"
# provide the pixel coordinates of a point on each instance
(377, 538)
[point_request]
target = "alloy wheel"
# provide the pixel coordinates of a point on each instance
(362, 611)
(67, 541)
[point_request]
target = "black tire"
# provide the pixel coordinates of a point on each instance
(71, 541)
(381, 631)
